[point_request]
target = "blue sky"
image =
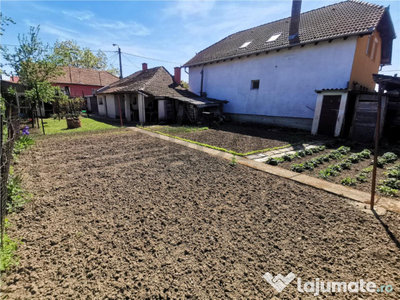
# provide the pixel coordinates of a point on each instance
(171, 31)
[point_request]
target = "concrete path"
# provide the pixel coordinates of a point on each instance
(262, 157)
(340, 190)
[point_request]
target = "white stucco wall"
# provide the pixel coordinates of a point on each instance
(288, 79)
(111, 107)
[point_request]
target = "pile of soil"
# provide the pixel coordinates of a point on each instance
(243, 139)
(121, 215)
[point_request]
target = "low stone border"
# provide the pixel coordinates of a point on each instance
(339, 190)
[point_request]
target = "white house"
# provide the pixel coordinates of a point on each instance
(270, 73)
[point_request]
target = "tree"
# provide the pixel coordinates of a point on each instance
(4, 21)
(35, 64)
(71, 54)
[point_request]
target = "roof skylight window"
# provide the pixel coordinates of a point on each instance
(245, 44)
(274, 37)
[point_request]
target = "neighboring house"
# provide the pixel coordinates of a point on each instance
(79, 82)
(152, 96)
(270, 73)
(16, 102)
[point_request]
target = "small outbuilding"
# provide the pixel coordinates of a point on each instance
(155, 96)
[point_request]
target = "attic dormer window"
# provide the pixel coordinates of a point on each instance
(274, 37)
(245, 44)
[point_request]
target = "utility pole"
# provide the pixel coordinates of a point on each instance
(120, 62)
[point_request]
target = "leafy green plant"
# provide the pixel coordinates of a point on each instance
(348, 181)
(288, 157)
(389, 157)
(381, 162)
(24, 142)
(328, 172)
(344, 150)
(233, 160)
(367, 169)
(345, 165)
(391, 182)
(394, 172)
(297, 168)
(274, 161)
(326, 158)
(314, 149)
(336, 168)
(354, 158)
(321, 148)
(10, 246)
(309, 151)
(361, 177)
(16, 196)
(309, 166)
(301, 153)
(388, 191)
(365, 153)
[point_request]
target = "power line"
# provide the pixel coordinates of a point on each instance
(166, 61)
(131, 61)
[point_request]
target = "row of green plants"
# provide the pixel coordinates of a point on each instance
(16, 198)
(290, 157)
(390, 186)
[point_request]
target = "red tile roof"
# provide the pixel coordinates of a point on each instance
(74, 75)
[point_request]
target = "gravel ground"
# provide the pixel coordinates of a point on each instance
(121, 215)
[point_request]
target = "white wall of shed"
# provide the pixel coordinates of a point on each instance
(288, 79)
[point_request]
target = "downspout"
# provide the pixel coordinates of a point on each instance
(201, 83)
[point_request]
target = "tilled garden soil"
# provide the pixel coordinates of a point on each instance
(243, 139)
(121, 215)
(354, 170)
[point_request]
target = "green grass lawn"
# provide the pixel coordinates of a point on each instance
(52, 126)
(174, 129)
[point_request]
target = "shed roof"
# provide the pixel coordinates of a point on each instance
(338, 20)
(156, 82)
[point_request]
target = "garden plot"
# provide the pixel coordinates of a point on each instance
(241, 140)
(343, 166)
(121, 215)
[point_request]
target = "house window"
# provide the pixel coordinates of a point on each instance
(274, 37)
(255, 84)
(100, 100)
(372, 47)
(67, 91)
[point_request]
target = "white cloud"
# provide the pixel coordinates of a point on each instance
(81, 15)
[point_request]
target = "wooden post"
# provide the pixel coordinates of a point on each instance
(120, 112)
(377, 132)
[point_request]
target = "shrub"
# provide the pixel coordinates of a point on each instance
(297, 168)
(388, 191)
(348, 181)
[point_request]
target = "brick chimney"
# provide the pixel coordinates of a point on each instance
(144, 66)
(177, 75)
(295, 22)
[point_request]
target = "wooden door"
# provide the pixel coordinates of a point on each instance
(329, 114)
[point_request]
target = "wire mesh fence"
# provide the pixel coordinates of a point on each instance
(8, 135)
